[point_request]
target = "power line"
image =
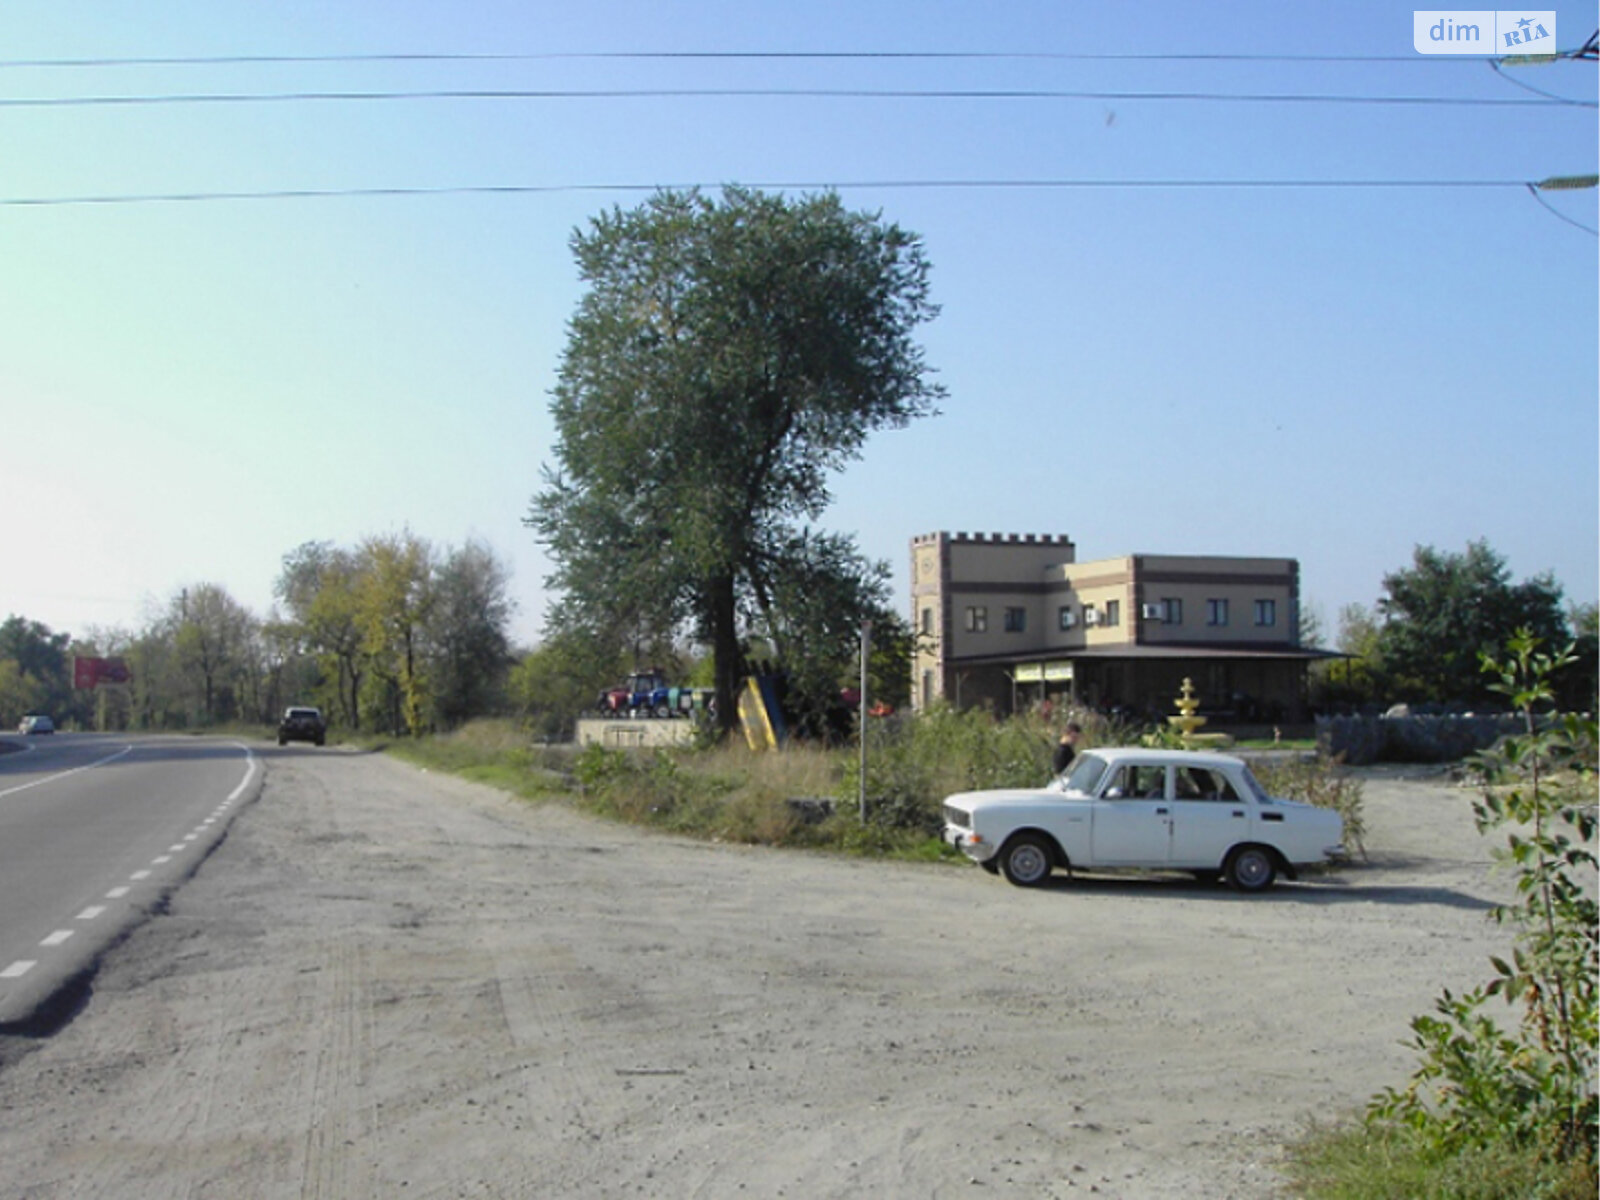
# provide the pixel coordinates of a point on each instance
(793, 185)
(776, 93)
(1534, 191)
(1499, 69)
(227, 60)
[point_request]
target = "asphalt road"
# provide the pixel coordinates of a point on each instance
(95, 832)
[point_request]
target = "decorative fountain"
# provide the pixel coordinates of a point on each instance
(1186, 722)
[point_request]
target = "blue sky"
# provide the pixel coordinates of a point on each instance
(190, 390)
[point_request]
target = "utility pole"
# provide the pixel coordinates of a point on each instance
(866, 651)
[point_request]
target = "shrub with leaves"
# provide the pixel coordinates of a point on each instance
(1321, 781)
(1532, 1084)
(914, 763)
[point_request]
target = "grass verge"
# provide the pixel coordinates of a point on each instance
(1376, 1161)
(727, 794)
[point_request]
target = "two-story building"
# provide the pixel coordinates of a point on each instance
(1008, 620)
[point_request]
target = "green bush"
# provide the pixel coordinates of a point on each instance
(1323, 782)
(914, 763)
(1515, 1100)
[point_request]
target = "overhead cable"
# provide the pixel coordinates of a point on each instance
(775, 94)
(726, 55)
(836, 185)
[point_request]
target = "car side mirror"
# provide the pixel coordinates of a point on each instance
(1114, 794)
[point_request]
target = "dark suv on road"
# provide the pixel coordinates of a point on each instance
(302, 724)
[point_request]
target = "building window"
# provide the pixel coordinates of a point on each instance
(1216, 612)
(1113, 612)
(1172, 608)
(1266, 612)
(977, 619)
(927, 622)
(1016, 620)
(1068, 617)
(927, 688)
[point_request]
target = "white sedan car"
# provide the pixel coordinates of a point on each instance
(1176, 810)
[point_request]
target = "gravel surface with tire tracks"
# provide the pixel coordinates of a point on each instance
(391, 983)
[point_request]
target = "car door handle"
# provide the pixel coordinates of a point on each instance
(1161, 812)
(1238, 812)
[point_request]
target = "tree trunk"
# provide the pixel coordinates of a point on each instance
(725, 654)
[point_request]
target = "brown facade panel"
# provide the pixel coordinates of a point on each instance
(1133, 663)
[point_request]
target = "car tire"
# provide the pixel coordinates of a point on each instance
(1026, 860)
(1251, 869)
(283, 741)
(662, 712)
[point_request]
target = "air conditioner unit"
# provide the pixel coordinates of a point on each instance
(1091, 616)
(1154, 612)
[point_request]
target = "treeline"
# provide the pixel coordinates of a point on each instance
(393, 635)
(1423, 642)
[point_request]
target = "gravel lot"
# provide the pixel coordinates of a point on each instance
(390, 983)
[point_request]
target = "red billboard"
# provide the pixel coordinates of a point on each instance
(92, 672)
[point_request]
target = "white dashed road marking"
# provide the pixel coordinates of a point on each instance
(22, 966)
(22, 787)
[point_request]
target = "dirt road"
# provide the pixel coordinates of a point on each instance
(388, 983)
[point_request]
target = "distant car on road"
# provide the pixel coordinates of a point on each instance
(1151, 809)
(302, 723)
(36, 723)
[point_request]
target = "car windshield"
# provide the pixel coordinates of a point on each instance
(1085, 776)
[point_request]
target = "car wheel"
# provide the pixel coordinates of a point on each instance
(1026, 860)
(1251, 869)
(662, 712)
(283, 741)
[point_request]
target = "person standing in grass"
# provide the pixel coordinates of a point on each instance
(1066, 748)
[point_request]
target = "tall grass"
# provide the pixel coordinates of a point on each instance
(493, 752)
(805, 795)
(1356, 1161)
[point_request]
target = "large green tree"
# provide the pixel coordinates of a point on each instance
(1445, 610)
(727, 357)
(35, 670)
(467, 623)
(396, 598)
(553, 683)
(321, 585)
(812, 596)
(213, 637)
